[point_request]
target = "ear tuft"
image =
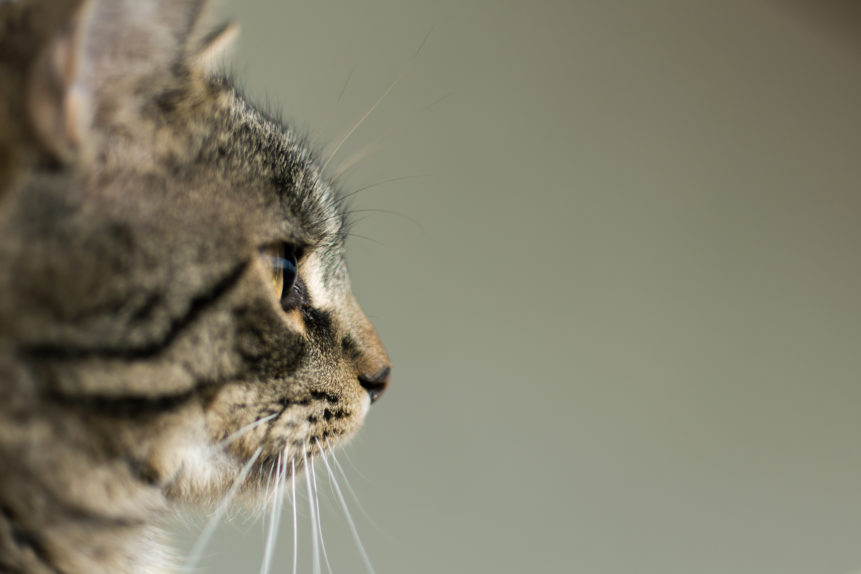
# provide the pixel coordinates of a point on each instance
(215, 47)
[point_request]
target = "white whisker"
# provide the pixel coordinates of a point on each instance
(280, 502)
(365, 152)
(315, 555)
(349, 460)
(212, 524)
(268, 488)
(364, 117)
(331, 450)
(352, 524)
(361, 120)
(243, 431)
(343, 197)
(272, 534)
(349, 486)
(319, 520)
(377, 143)
(295, 522)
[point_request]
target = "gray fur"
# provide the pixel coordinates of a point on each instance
(137, 327)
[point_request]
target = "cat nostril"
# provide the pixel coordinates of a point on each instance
(375, 384)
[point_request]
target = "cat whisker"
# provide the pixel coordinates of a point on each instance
(295, 521)
(319, 520)
(377, 144)
(365, 152)
(424, 41)
(349, 460)
(284, 487)
(272, 534)
(236, 435)
(365, 116)
(268, 489)
(344, 87)
(315, 555)
(390, 212)
(347, 514)
(323, 453)
(349, 486)
(366, 238)
(342, 198)
(361, 120)
(207, 532)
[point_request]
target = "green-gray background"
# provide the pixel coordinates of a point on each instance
(620, 281)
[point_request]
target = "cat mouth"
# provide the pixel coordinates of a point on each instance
(297, 444)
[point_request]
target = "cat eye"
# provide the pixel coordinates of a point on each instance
(279, 261)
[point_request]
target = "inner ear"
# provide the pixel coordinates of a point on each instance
(59, 109)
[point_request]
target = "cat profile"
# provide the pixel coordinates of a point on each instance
(176, 317)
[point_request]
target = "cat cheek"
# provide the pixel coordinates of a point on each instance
(295, 323)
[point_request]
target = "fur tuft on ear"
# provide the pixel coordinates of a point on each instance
(100, 59)
(215, 46)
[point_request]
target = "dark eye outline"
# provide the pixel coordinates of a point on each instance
(281, 260)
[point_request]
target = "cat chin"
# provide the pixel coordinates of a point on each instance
(194, 469)
(197, 469)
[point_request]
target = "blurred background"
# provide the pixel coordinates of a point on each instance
(613, 250)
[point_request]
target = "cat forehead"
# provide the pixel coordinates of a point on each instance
(289, 175)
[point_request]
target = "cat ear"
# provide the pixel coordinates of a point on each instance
(58, 106)
(100, 59)
(215, 46)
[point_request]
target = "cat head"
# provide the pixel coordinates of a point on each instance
(176, 257)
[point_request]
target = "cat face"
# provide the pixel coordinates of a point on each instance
(311, 361)
(308, 361)
(176, 283)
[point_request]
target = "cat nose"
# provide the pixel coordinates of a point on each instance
(376, 383)
(369, 357)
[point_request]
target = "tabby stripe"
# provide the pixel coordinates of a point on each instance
(198, 305)
(123, 405)
(23, 538)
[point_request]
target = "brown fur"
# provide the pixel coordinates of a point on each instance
(137, 325)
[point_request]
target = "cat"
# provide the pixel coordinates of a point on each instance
(176, 318)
